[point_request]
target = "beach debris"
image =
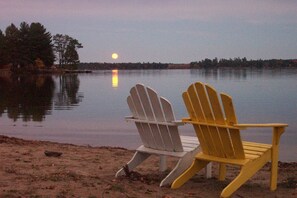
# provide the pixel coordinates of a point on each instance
(52, 153)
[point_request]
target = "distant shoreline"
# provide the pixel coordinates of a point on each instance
(236, 63)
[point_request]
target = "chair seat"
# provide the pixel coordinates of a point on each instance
(253, 150)
(189, 144)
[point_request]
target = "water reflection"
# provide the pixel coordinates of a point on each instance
(31, 98)
(115, 78)
(241, 73)
(67, 94)
(26, 97)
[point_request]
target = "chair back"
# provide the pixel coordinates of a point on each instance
(214, 125)
(154, 119)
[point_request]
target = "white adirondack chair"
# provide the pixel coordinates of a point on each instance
(158, 130)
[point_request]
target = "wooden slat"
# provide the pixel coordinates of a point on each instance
(215, 104)
(212, 131)
(137, 103)
(229, 109)
(197, 111)
(142, 134)
(132, 107)
(195, 103)
(156, 105)
(254, 148)
(159, 117)
(219, 119)
(141, 115)
(257, 144)
(190, 109)
(169, 116)
(204, 104)
(231, 119)
(146, 104)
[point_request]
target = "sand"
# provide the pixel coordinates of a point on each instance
(84, 171)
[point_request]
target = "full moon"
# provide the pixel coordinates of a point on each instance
(114, 56)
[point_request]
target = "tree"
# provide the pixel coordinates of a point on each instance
(12, 45)
(3, 52)
(71, 55)
(25, 45)
(65, 48)
(40, 44)
(21, 47)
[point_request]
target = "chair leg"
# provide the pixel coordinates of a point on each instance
(245, 174)
(182, 164)
(277, 132)
(208, 170)
(222, 171)
(274, 169)
(196, 166)
(137, 159)
(163, 164)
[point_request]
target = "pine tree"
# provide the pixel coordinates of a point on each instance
(25, 45)
(40, 44)
(3, 54)
(12, 45)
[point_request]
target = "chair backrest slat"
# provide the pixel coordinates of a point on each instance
(203, 106)
(173, 130)
(146, 130)
(231, 119)
(219, 119)
(199, 116)
(142, 134)
(149, 115)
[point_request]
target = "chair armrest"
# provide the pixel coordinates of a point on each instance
(244, 126)
(186, 119)
(278, 130)
(128, 118)
(178, 122)
(167, 123)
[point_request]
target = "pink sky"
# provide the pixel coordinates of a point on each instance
(167, 30)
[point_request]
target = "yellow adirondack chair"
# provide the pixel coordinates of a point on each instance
(219, 135)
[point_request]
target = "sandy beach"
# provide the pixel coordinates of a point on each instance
(84, 171)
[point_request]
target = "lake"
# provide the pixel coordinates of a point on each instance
(89, 109)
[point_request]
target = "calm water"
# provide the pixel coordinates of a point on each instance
(90, 108)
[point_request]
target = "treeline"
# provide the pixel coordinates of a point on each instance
(206, 63)
(243, 62)
(33, 47)
(109, 66)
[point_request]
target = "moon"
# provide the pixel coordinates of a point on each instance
(114, 56)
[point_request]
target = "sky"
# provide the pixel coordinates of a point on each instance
(167, 31)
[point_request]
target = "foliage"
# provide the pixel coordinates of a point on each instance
(41, 46)
(21, 47)
(65, 48)
(11, 44)
(3, 56)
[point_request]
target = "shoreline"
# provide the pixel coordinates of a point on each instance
(85, 171)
